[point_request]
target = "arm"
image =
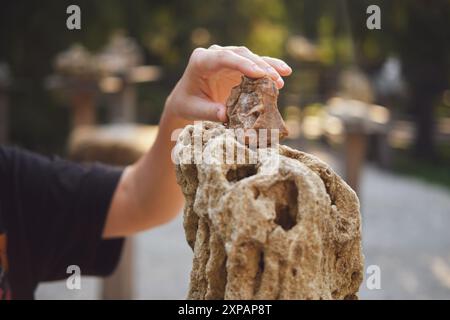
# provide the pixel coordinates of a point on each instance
(147, 194)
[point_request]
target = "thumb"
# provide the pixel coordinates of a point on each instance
(202, 109)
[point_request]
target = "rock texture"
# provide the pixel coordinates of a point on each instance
(284, 227)
(253, 105)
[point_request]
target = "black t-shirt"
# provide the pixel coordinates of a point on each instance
(52, 215)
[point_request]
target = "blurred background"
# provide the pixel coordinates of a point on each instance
(375, 104)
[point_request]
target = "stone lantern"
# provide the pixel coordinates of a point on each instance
(120, 66)
(359, 120)
(76, 77)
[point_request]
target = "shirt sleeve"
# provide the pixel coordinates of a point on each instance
(56, 215)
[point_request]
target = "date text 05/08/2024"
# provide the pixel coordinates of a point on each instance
(226, 309)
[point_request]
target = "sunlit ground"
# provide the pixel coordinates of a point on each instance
(405, 233)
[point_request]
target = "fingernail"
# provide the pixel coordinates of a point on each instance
(285, 67)
(280, 81)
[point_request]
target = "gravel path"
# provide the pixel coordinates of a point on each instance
(405, 233)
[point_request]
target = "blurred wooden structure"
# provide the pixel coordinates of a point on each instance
(112, 74)
(121, 67)
(76, 80)
(119, 145)
(360, 120)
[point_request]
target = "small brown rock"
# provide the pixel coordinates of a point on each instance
(253, 105)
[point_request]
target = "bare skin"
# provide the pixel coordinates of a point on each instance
(147, 194)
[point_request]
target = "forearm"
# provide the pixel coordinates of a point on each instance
(159, 195)
(147, 194)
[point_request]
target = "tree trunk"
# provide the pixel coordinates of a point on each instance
(423, 108)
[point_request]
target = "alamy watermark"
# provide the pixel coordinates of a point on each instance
(373, 279)
(73, 282)
(73, 21)
(228, 146)
(373, 22)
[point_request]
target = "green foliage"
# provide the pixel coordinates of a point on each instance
(432, 172)
(33, 32)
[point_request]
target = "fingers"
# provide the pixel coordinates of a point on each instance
(269, 70)
(207, 62)
(281, 66)
(271, 66)
(213, 60)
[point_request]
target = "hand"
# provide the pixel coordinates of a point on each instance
(211, 73)
(147, 194)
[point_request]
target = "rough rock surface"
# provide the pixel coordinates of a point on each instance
(285, 227)
(253, 105)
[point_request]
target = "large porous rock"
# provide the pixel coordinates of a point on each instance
(275, 223)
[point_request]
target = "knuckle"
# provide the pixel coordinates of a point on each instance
(223, 55)
(197, 55)
(242, 50)
(273, 61)
(263, 63)
(270, 63)
(214, 47)
(197, 52)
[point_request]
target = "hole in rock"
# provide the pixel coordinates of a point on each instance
(355, 275)
(256, 193)
(241, 172)
(284, 218)
(261, 262)
(258, 277)
(287, 207)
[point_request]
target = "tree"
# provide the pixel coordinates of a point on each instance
(418, 32)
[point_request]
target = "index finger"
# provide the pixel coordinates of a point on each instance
(214, 60)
